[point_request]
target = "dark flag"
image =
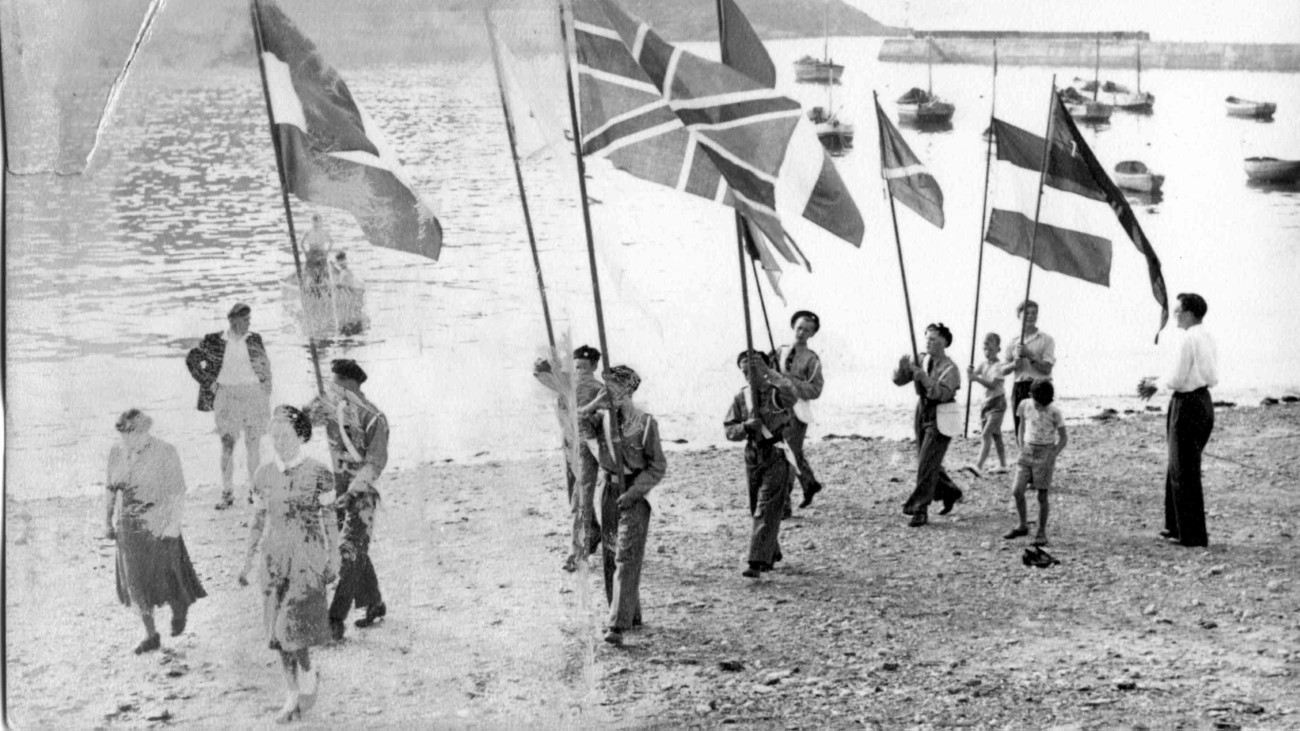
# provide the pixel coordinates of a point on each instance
(1078, 206)
(332, 153)
(673, 118)
(909, 182)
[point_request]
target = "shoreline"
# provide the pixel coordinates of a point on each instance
(866, 621)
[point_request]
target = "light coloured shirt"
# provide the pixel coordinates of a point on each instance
(1197, 363)
(1040, 422)
(1041, 347)
(236, 365)
(991, 370)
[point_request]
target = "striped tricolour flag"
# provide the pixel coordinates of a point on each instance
(701, 127)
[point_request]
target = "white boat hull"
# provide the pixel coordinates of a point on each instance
(935, 111)
(1270, 170)
(1252, 110)
(818, 73)
(1139, 182)
(1089, 111)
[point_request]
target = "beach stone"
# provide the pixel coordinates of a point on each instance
(1149, 610)
(1275, 585)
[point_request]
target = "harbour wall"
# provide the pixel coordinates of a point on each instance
(1283, 57)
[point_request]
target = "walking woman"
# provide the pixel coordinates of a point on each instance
(800, 370)
(294, 523)
(153, 567)
(936, 382)
(625, 516)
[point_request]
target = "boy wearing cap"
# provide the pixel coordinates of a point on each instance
(768, 463)
(580, 466)
(625, 513)
(799, 370)
(358, 438)
(936, 383)
(234, 377)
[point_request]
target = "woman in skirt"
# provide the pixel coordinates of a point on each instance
(294, 524)
(146, 489)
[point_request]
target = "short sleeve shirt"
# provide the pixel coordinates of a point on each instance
(1040, 423)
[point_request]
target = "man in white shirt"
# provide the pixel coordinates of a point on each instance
(1191, 419)
(1031, 360)
(234, 376)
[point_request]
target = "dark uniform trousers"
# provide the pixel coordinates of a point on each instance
(357, 581)
(770, 481)
(624, 539)
(1190, 421)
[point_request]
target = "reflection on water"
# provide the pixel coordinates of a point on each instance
(111, 278)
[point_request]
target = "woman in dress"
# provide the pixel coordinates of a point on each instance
(294, 524)
(800, 370)
(153, 567)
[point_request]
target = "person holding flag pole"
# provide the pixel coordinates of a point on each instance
(625, 511)
(937, 380)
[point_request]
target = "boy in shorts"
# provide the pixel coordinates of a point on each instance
(1041, 438)
(989, 375)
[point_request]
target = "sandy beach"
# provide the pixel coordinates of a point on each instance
(867, 623)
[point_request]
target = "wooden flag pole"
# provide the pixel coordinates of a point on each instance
(907, 299)
(519, 179)
(284, 192)
(984, 210)
(1038, 205)
(616, 428)
(740, 238)
(763, 305)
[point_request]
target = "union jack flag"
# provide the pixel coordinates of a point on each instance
(698, 126)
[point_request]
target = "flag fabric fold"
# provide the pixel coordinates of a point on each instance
(332, 153)
(1078, 209)
(701, 127)
(909, 181)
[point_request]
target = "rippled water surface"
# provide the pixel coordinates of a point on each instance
(113, 276)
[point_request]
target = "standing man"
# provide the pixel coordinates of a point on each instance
(936, 383)
(358, 437)
(1029, 361)
(1191, 419)
(580, 465)
(234, 376)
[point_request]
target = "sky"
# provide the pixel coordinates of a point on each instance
(1258, 21)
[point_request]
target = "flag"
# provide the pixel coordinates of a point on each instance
(1079, 203)
(536, 124)
(332, 153)
(909, 182)
(701, 127)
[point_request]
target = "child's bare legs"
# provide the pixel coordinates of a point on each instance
(1018, 492)
(1041, 537)
(992, 438)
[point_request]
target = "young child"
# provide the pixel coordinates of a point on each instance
(989, 375)
(1041, 437)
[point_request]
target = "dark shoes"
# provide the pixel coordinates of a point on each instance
(1169, 535)
(149, 644)
(570, 564)
(614, 637)
(1016, 533)
(374, 613)
(336, 630)
(949, 502)
(919, 519)
(178, 622)
(752, 572)
(808, 493)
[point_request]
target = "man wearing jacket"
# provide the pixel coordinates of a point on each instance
(234, 376)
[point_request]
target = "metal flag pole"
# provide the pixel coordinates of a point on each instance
(740, 238)
(519, 178)
(984, 210)
(1038, 205)
(616, 429)
(255, 7)
(907, 299)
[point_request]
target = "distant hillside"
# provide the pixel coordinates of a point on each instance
(203, 32)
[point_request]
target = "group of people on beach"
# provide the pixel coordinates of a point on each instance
(311, 523)
(612, 448)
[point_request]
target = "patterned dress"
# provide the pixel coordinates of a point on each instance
(298, 558)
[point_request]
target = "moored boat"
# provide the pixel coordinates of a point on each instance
(835, 136)
(1134, 175)
(1084, 109)
(336, 305)
(919, 105)
(1272, 170)
(1238, 107)
(811, 70)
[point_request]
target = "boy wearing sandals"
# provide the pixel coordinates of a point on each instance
(1041, 437)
